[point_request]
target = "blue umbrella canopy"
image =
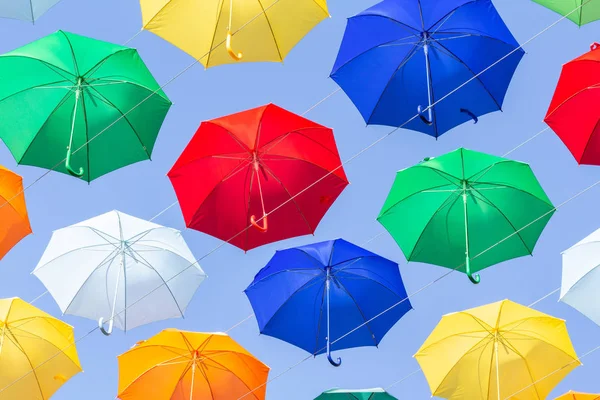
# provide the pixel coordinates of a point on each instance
(311, 296)
(28, 10)
(399, 57)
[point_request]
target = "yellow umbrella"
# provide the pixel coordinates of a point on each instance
(497, 351)
(265, 30)
(578, 396)
(37, 352)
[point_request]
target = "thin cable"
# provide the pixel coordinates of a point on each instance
(39, 297)
(307, 188)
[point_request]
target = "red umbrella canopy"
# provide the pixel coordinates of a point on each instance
(574, 114)
(264, 167)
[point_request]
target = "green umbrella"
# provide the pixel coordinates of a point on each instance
(579, 11)
(72, 98)
(466, 210)
(362, 394)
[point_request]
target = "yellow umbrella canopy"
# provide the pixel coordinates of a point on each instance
(578, 396)
(264, 30)
(37, 352)
(497, 351)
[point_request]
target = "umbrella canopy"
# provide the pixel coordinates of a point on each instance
(27, 10)
(71, 92)
(400, 56)
(578, 396)
(239, 168)
(361, 394)
(37, 352)
(179, 365)
(581, 276)
(579, 11)
(262, 30)
(317, 296)
(13, 211)
(466, 210)
(120, 268)
(572, 114)
(497, 351)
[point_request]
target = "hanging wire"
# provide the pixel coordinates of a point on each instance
(307, 188)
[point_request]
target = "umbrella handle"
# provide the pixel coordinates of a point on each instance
(470, 114)
(332, 361)
(70, 170)
(594, 46)
(423, 117)
(475, 278)
(110, 326)
(233, 54)
(257, 226)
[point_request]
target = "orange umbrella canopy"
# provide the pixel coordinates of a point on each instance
(180, 365)
(14, 222)
(578, 396)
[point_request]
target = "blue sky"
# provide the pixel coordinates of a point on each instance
(143, 190)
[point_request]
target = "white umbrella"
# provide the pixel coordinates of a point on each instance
(28, 10)
(121, 269)
(581, 277)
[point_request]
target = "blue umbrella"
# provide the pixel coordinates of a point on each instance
(399, 57)
(313, 296)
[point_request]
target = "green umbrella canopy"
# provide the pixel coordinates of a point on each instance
(70, 98)
(588, 12)
(362, 394)
(466, 210)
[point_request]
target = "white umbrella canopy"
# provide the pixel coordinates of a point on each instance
(581, 277)
(27, 10)
(119, 270)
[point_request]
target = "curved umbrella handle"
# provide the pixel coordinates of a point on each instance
(470, 114)
(475, 278)
(110, 326)
(423, 117)
(594, 46)
(70, 170)
(233, 54)
(257, 226)
(332, 362)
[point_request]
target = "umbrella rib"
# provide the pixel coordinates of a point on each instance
(409, 56)
(51, 67)
(298, 132)
(125, 117)
(446, 202)
(87, 279)
(402, 24)
(45, 340)
(304, 286)
(480, 34)
(361, 313)
(72, 53)
(589, 139)
(88, 83)
(373, 280)
(271, 29)
(59, 105)
(233, 373)
(33, 370)
(509, 345)
(504, 185)
(142, 374)
(212, 42)
(571, 97)
(517, 231)
(66, 254)
(96, 67)
(292, 198)
(412, 195)
(165, 283)
(477, 76)
(527, 337)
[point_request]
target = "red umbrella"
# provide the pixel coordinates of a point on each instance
(574, 113)
(239, 168)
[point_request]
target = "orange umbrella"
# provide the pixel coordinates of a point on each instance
(179, 365)
(578, 396)
(13, 213)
